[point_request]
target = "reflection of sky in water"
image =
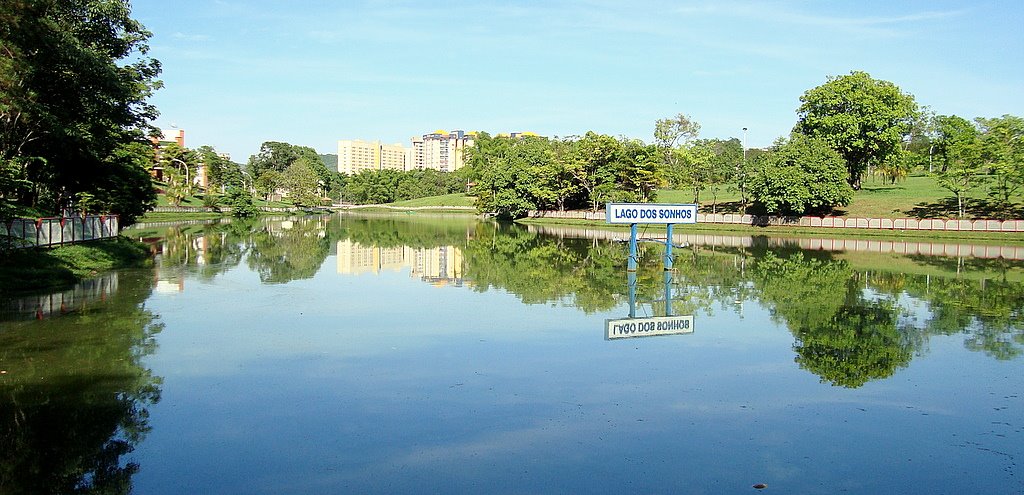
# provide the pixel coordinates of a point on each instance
(384, 383)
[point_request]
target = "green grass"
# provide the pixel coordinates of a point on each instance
(914, 197)
(457, 199)
(26, 270)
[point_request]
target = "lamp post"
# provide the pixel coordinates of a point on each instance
(744, 146)
(743, 172)
(252, 187)
(184, 166)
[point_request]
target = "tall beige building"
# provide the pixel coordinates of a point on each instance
(355, 155)
(441, 150)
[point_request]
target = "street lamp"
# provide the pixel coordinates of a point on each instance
(743, 172)
(185, 167)
(744, 146)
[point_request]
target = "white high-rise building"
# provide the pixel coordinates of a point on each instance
(441, 150)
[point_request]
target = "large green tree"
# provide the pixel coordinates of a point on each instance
(801, 175)
(74, 83)
(1002, 149)
(862, 118)
(959, 147)
(302, 183)
(221, 172)
(274, 159)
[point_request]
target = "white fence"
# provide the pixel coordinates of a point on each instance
(28, 232)
(825, 222)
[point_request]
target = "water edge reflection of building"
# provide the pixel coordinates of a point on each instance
(439, 266)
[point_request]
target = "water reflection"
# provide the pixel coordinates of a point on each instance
(81, 296)
(855, 316)
(73, 390)
(441, 265)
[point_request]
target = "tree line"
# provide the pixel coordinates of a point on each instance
(849, 127)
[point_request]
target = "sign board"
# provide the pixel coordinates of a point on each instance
(647, 327)
(650, 213)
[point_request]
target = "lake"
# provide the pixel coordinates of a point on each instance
(412, 353)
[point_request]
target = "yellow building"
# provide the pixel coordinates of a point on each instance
(355, 258)
(392, 156)
(355, 155)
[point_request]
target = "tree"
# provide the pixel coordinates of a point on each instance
(74, 80)
(558, 178)
(862, 118)
(240, 202)
(799, 176)
(504, 169)
(128, 189)
(960, 151)
(220, 172)
(268, 183)
(676, 131)
(696, 168)
(275, 156)
(302, 183)
(640, 171)
(1002, 149)
(590, 165)
(727, 166)
(672, 136)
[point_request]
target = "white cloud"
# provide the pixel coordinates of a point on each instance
(191, 37)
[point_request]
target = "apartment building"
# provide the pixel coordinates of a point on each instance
(441, 150)
(355, 155)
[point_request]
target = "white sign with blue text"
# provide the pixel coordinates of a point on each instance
(650, 213)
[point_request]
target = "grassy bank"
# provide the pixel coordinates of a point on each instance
(913, 197)
(30, 270)
(458, 199)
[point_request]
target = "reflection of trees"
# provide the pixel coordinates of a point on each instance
(540, 269)
(841, 337)
(989, 312)
(415, 231)
(855, 344)
(206, 250)
(74, 396)
(281, 254)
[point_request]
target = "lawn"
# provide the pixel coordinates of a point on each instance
(457, 199)
(914, 197)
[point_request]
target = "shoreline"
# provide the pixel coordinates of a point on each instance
(33, 270)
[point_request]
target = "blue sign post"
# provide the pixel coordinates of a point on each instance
(637, 213)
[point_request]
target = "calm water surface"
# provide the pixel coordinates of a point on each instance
(418, 354)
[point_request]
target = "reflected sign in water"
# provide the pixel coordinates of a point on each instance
(648, 327)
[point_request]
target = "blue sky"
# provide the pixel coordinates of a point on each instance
(241, 72)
